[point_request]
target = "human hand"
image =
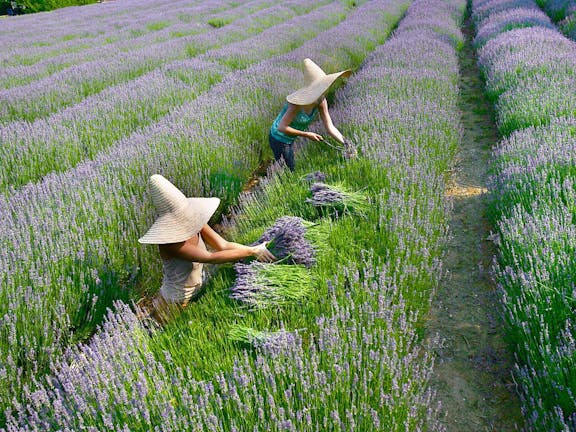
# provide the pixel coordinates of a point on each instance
(314, 136)
(262, 253)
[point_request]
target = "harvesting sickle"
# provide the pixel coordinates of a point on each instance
(182, 234)
(300, 111)
(347, 149)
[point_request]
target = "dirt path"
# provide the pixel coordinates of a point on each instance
(473, 365)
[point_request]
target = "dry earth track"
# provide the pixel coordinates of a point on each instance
(473, 363)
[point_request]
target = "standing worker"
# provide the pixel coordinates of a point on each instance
(300, 110)
(181, 232)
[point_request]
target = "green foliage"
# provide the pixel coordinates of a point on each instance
(568, 26)
(219, 22)
(32, 6)
(157, 26)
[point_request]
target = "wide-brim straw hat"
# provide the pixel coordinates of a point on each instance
(316, 83)
(178, 218)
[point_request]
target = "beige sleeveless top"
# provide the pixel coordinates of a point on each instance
(182, 279)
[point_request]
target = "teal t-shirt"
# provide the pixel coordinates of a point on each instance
(301, 122)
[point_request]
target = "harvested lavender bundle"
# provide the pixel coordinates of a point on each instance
(287, 241)
(316, 176)
(318, 234)
(262, 285)
(269, 342)
(338, 197)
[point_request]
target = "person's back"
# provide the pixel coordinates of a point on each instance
(182, 279)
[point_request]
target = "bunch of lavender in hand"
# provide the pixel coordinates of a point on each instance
(287, 241)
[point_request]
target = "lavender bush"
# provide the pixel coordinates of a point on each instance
(558, 10)
(71, 85)
(509, 19)
(536, 241)
(530, 74)
(521, 66)
(29, 151)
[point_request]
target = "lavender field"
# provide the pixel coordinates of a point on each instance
(95, 99)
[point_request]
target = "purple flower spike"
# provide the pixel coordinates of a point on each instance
(287, 241)
(316, 176)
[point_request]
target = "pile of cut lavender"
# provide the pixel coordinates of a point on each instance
(338, 198)
(262, 285)
(288, 280)
(287, 241)
(316, 176)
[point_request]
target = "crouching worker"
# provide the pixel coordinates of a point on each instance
(301, 109)
(182, 233)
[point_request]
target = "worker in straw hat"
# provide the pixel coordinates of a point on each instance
(181, 232)
(300, 110)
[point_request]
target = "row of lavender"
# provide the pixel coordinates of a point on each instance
(30, 150)
(367, 339)
(88, 219)
(530, 71)
(50, 42)
(72, 84)
(562, 12)
(208, 27)
(33, 30)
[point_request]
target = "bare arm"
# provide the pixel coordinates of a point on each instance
(284, 125)
(327, 121)
(216, 241)
(225, 251)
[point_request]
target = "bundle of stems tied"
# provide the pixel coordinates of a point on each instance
(294, 242)
(337, 197)
(262, 285)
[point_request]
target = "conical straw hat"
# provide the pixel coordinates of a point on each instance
(316, 82)
(178, 217)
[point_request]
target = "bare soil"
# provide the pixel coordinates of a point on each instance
(473, 365)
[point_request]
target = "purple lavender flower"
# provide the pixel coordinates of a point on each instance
(287, 241)
(316, 176)
(337, 197)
